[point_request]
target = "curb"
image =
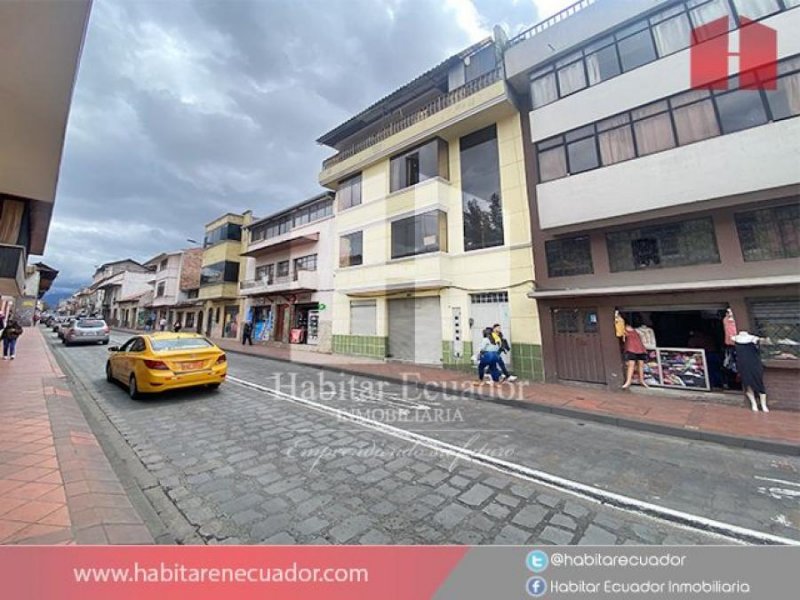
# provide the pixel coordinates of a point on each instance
(732, 441)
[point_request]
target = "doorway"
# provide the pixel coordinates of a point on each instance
(579, 351)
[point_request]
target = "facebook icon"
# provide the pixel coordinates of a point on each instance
(537, 587)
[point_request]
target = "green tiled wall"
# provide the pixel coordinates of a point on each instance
(360, 345)
(461, 363)
(528, 361)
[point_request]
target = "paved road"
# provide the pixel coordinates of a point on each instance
(243, 466)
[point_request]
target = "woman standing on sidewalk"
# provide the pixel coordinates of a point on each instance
(10, 335)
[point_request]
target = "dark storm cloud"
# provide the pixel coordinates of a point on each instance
(185, 110)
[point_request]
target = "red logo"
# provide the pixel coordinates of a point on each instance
(711, 52)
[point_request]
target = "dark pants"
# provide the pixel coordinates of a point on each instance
(502, 366)
(9, 346)
(489, 360)
(247, 339)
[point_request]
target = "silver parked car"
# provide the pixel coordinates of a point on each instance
(86, 331)
(63, 326)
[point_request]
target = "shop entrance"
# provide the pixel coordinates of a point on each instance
(306, 317)
(689, 351)
(579, 352)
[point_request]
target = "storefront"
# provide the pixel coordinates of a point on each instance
(305, 324)
(690, 354)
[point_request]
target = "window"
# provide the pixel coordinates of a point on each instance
(571, 76)
(265, 273)
(349, 192)
(582, 150)
(220, 272)
(480, 190)
(615, 139)
(602, 64)
(779, 320)
(770, 233)
(703, 12)
(756, 9)
(225, 232)
(160, 289)
(740, 109)
(305, 263)
(552, 159)
(283, 268)
(311, 213)
(192, 294)
(784, 101)
(163, 264)
(544, 90)
(666, 245)
(637, 48)
(694, 116)
(653, 128)
(351, 248)
(421, 163)
(572, 256)
(671, 30)
(189, 320)
(419, 234)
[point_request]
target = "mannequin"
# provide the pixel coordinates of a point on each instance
(648, 336)
(729, 325)
(751, 369)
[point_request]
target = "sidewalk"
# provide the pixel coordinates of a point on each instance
(56, 484)
(660, 412)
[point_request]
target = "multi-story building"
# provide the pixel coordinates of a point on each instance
(222, 265)
(432, 220)
(289, 284)
(667, 203)
(42, 43)
(175, 287)
(115, 281)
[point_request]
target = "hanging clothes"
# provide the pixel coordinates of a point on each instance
(619, 325)
(748, 362)
(729, 325)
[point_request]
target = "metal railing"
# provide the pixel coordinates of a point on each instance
(434, 107)
(550, 21)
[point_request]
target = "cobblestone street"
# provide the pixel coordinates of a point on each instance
(242, 466)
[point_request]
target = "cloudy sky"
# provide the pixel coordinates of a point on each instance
(186, 110)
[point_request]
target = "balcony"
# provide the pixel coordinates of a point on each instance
(303, 281)
(12, 269)
(438, 105)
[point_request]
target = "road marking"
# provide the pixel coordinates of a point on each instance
(783, 481)
(674, 517)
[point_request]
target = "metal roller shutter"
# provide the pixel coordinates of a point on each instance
(363, 317)
(415, 330)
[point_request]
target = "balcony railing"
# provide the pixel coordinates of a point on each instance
(434, 107)
(550, 21)
(302, 280)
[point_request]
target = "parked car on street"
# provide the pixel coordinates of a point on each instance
(166, 361)
(86, 331)
(63, 326)
(56, 323)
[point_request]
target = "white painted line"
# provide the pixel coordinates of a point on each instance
(783, 481)
(727, 530)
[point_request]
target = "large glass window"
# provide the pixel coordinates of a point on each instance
(740, 109)
(225, 232)
(571, 256)
(571, 76)
(602, 64)
(636, 48)
(552, 159)
(419, 234)
(653, 128)
(784, 100)
(349, 192)
(664, 245)
(756, 9)
(421, 163)
(312, 212)
(305, 263)
(582, 150)
(221, 272)
(283, 268)
(671, 30)
(351, 249)
(694, 116)
(616, 139)
(544, 90)
(770, 233)
(265, 273)
(703, 12)
(480, 190)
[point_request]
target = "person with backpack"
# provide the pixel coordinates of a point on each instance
(488, 355)
(502, 342)
(10, 336)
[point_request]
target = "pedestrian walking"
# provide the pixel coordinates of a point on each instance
(162, 324)
(502, 342)
(247, 333)
(488, 353)
(10, 335)
(177, 327)
(635, 355)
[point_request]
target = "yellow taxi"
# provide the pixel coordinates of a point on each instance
(163, 361)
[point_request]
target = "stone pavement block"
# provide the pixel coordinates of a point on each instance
(451, 515)
(476, 495)
(557, 536)
(530, 516)
(350, 528)
(595, 536)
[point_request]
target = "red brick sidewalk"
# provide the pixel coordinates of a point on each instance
(56, 484)
(662, 412)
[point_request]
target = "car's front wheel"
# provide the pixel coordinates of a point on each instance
(109, 374)
(133, 388)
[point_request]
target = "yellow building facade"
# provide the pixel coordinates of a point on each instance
(222, 269)
(428, 258)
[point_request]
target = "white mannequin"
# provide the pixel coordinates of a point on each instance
(743, 337)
